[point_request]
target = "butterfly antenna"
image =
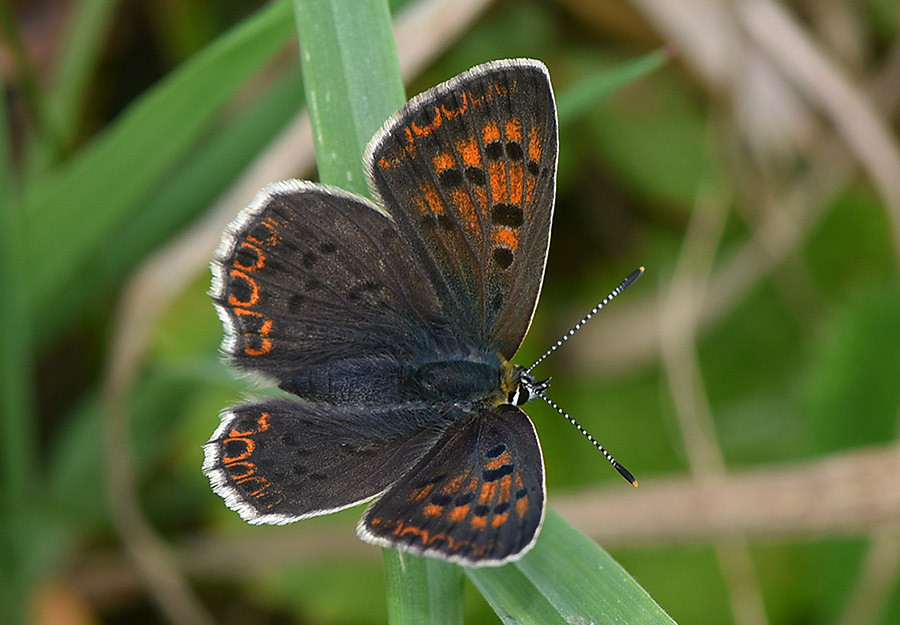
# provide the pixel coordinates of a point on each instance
(627, 282)
(618, 467)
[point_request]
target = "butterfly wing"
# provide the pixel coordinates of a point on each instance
(316, 289)
(468, 171)
(476, 497)
(281, 461)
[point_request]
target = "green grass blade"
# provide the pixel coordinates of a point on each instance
(422, 590)
(352, 81)
(20, 537)
(190, 187)
(572, 575)
(582, 96)
(76, 59)
(18, 439)
(513, 597)
(352, 84)
(71, 211)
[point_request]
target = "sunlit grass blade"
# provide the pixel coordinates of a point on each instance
(513, 597)
(575, 577)
(71, 211)
(352, 81)
(422, 590)
(352, 84)
(582, 96)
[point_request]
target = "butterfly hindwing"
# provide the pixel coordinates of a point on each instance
(468, 171)
(476, 497)
(281, 461)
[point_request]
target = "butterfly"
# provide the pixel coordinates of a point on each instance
(394, 323)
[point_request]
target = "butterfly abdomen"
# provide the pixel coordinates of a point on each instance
(353, 382)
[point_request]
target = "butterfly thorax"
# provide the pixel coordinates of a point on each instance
(486, 381)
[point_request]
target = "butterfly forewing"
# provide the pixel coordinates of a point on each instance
(477, 497)
(316, 289)
(468, 170)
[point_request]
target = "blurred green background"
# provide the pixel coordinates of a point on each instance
(749, 379)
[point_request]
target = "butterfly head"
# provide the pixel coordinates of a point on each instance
(526, 387)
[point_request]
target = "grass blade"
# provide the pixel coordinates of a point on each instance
(78, 55)
(352, 84)
(513, 597)
(352, 81)
(571, 575)
(582, 96)
(71, 212)
(422, 590)
(214, 163)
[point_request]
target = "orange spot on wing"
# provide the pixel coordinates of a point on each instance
(249, 448)
(458, 513)
(260, 258)
(433, 510)
(529, 195)
(505, 488)
(422, 493)
(497, 181)
(499, 519)
(481, 197)
(469, 152)
(443, 161)
(478, 522)
(501, 90)
(535, 149)
(407, 151)
(488, 492)
(490, 132)
(466, 211)
(262, 424)
(248, 467)
(513, 130)
(522, 506)
(496, 463)
(423, 535)
(506, 237)
(273, 238)
(265, 344)
(254, 289)
(455, 483)
(432, 199)
(427, 129)
(516, 183)
(265, 488)
(460, 109)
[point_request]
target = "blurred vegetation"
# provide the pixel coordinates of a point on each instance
(755, 176)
